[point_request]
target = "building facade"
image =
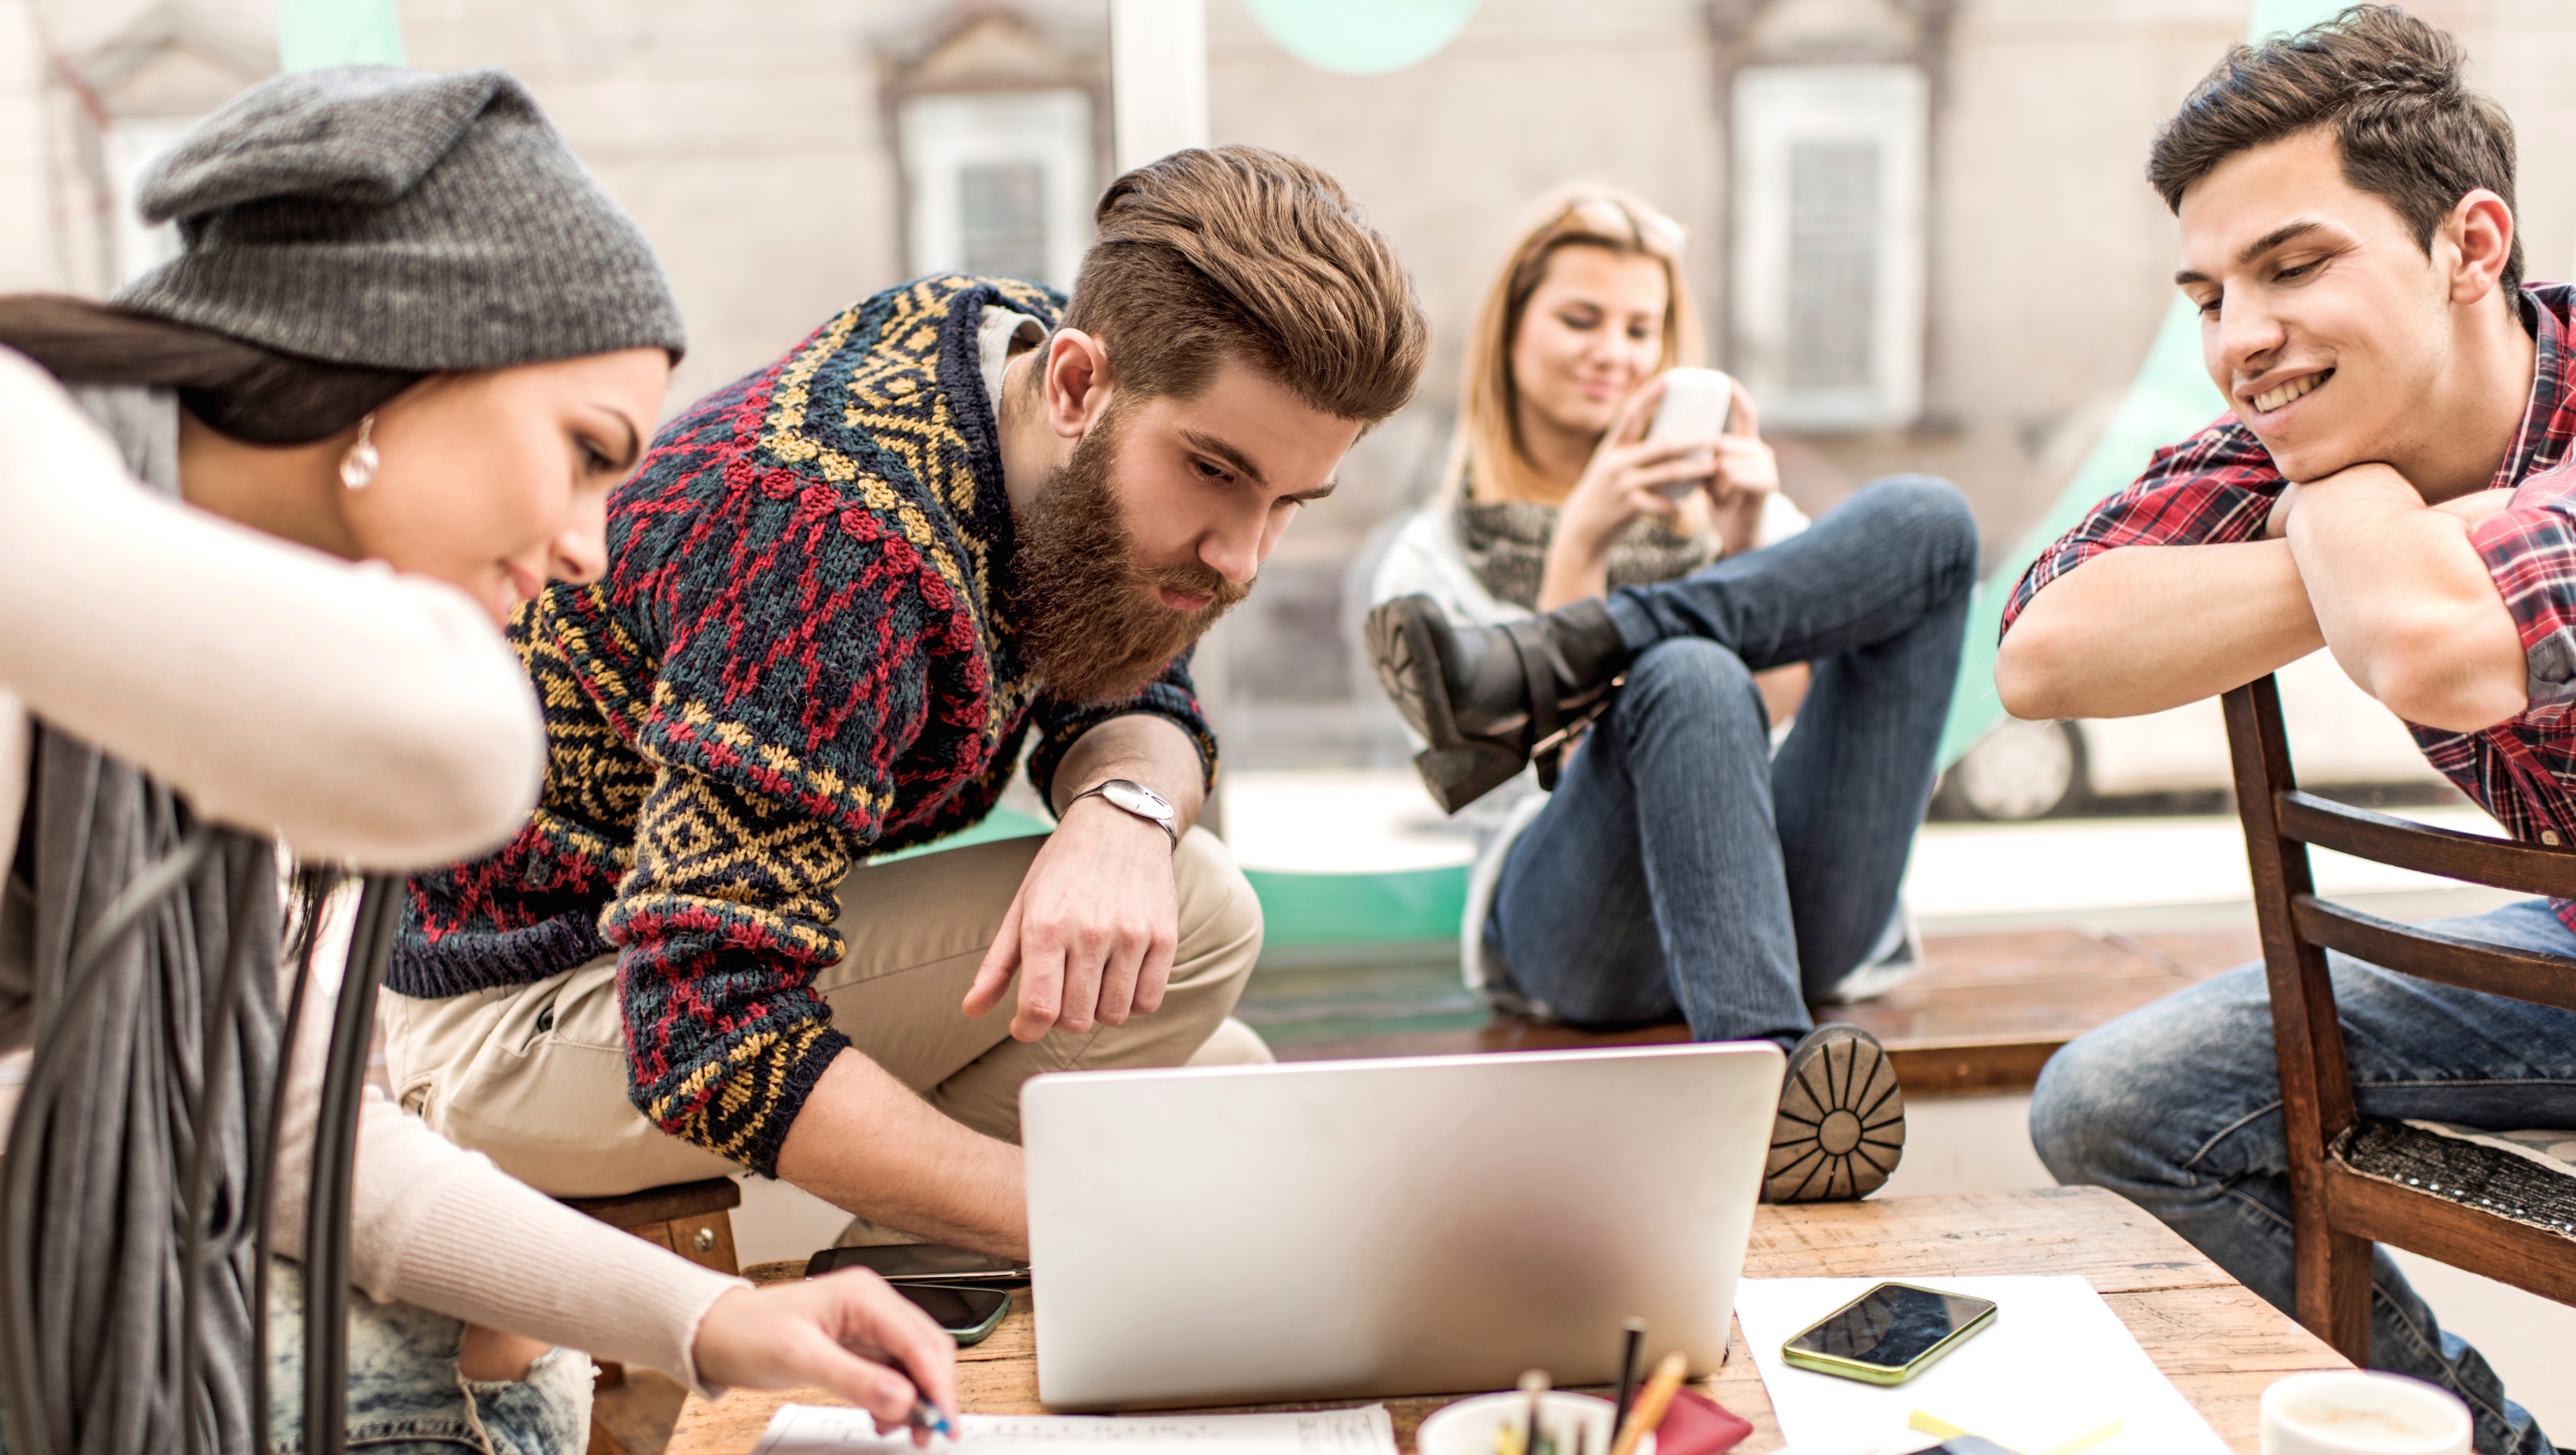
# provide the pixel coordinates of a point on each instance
(1918, 228)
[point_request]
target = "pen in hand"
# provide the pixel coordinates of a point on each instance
(926, 1416)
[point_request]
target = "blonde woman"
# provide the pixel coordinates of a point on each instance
(1680, 868)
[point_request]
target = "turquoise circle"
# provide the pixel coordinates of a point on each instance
(1362, 37)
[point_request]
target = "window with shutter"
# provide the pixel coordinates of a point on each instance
(1827, 202)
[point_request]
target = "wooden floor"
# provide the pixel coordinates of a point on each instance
(1981, 1016)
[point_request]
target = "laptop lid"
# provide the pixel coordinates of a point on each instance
(1400, 1227)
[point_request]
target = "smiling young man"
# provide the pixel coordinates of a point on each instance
(840, 595)
(2392, 487)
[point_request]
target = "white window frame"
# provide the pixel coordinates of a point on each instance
(129, 147)
(945, 132)
(1776, 108)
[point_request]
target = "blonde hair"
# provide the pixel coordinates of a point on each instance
(1489, 455)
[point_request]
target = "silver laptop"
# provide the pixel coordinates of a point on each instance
(1357, 1228)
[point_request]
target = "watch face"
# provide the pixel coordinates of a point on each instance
(1136, 798)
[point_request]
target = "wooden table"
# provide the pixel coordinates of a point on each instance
(2216, 1340)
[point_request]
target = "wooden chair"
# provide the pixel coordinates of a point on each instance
(692, 1219)
(2354, 1181)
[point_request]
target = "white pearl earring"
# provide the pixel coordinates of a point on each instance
(358, 466)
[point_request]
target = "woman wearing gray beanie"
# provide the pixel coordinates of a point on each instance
(248, 509)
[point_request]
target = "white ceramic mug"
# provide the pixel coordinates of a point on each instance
(2358, 1412)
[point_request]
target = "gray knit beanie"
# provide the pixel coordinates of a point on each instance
(401, 220)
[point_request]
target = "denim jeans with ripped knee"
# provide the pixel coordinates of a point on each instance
(406, 1394)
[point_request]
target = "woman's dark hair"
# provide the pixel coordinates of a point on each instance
(253, 394)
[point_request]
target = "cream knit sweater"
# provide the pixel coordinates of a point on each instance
(361, 716)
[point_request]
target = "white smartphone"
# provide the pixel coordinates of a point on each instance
(1696, 403)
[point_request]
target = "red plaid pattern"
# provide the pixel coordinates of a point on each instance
(2219, 486)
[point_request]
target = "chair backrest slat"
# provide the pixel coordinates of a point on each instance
(2425, 849)
(2432, 955)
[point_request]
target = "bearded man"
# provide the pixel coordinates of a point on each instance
(840, 594)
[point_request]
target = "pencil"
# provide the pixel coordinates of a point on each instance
(1652, 1401)
(1534, 1384)
(1632, 1344)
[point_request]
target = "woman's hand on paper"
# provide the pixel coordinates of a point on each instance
(847, 1332)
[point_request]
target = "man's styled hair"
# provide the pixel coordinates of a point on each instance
(2409, 131)
(1241, 252)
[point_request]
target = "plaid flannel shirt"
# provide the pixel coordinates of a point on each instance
(2220, 484)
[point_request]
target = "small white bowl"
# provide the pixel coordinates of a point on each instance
(1467, 1427)
(2360, 1412)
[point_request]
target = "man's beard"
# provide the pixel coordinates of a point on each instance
(1091, 620)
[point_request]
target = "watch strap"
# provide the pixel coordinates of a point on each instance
(1100, 790)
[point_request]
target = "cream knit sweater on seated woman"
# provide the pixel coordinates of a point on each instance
(360, 716)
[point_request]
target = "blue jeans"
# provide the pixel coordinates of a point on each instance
(2177, 1107)
(1682, 867)
(406, 1395)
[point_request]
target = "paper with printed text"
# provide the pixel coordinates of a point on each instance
(820, 1430)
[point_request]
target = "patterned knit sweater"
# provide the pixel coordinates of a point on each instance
(798, 657)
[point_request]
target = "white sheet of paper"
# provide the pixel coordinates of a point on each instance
(2055, 1365)
(819, 1430)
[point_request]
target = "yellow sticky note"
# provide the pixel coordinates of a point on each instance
(2082, 1442)
(1941, 1429)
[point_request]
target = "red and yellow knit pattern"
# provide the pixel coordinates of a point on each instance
(800, 656)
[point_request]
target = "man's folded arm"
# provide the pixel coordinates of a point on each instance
(2143, 628)
(2165, 594)
(2412, 610)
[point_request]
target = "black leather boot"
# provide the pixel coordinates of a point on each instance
(1485, 698)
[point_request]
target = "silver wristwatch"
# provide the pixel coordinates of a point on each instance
(1137, 799)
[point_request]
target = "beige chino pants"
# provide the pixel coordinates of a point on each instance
(534, 1076)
